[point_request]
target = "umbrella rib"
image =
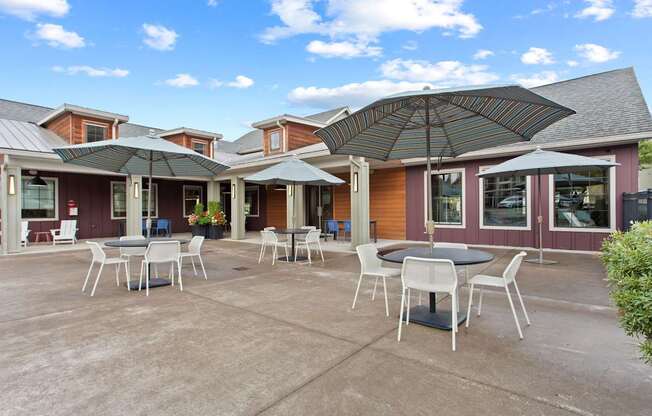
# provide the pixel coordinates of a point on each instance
(398, 136)
(443, 127)
(165, 159)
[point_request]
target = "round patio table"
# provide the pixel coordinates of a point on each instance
(144, 243)
(429, 315)
(293, 232)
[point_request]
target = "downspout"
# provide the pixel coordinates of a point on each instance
(284, 145)
(115, 129)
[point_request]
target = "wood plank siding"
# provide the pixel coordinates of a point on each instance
(276, 208)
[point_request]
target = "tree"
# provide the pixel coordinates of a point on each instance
(645, 154)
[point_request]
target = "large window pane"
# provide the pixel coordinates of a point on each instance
(118, 200)
(192, 194)
(251, 201)
(39, 202)
(95, 133)
(504, 201)
(447, 198)
(581, 200)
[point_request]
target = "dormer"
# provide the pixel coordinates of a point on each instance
(286, 132)
(78, 125)
(200, 141)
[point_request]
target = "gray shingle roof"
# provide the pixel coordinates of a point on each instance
(607, 104)
(325, 116)
(133, 130)
(248, 142)
(21, 135)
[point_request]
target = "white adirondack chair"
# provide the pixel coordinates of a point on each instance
(66, 233)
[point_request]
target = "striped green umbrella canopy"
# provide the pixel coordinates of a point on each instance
(143, 155)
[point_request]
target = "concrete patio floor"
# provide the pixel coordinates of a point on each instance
(282, 339)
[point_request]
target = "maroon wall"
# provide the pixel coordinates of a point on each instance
(93, 196)
(259, 222)
(626, 181)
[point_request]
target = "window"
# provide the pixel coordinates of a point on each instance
(192, 194)
(251, 201)
(39, 203)
(95, 133)
(504, 202)
(583, 201)
(119, 201)
(199, 147)
(447, 198)
(275, 140)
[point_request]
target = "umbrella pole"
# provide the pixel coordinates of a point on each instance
(539, 259)
(149, 198)
(430, 225)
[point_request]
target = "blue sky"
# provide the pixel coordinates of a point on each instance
(220, 65)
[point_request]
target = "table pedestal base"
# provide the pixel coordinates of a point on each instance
(441, 319)
(153, 282)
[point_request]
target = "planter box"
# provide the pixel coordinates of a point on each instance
(198, 230)
(215, 232)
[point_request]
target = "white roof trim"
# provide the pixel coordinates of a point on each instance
(271, 122)
(191, 132)
(343, 110)
(69, 108)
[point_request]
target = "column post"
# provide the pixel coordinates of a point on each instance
(359, 201)
(134, 221)
(213, 191)
(11, 206)
(295, 212)
(237, 208)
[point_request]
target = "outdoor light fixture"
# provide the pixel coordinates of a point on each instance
(12, 185)
(355, 181)
(233, 190)
(36, 181)
(136, 190)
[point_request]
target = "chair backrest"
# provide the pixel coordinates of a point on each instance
(68, 228)
(308, 227)
(268, 236)
(96, 249)
(138, 251)
(195, 244)
(430, 275)
(347, 225)
(24, 230)
(162, 223)
(461, 246)
(368, 256)
(512, 268)
(269, 228)
(332, 226)
(163, 251)
(313, 236)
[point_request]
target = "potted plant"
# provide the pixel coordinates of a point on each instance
(217, 220)
(197, 221)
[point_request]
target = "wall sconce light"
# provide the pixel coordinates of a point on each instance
(233, 195)
(355, 181)
(290, 190)
(136, 190)
(11, 186)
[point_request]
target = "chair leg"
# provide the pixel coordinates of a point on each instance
(117, 274)
(309, 256)
(357, 289)
(287, 257)
(194, 269)
(140, 280)
(321, 253)
(453, 319)
(480, 303)
(127, 273)
(201, 263)
(520, 299)
(386, 301)
(178, 275)
(400, 317)
(262, 252)
(97, 279)
(511, 305)
(409, 294)
(147, 280)
(373, 294)
(274, 250)
(87, 276)
(468, 310)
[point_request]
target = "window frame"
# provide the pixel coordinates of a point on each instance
(95, 124)
(203, 143)
(280, 141)
(183, 198)
(111, 200)
(249, 188)
(56, 199)
(154, 185)
(612, 203)
(528, 199)
(425, 197)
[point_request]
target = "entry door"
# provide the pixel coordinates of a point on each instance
(312, 204)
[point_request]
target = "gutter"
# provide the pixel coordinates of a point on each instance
(284, 146)
(115, 125)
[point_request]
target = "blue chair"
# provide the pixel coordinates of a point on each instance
(347, 228)
(163, 224)
(332, 227)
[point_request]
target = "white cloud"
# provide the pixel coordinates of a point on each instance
(572, 63)
(354, 94)
(411, 45)
(599, 10)
(57, 36)
(534, 80)
(212, 3)
(159, 37)
(642, 8)
(343, 49)
(367, 19)
(92, 71)
(443, 72)
(596, 53)
(483, 54)
(535, 56)
(29, 9)
(182, 81)
(241, 81)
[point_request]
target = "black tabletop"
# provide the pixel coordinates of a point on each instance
(144, 242)
(292, 231)
(458, 256)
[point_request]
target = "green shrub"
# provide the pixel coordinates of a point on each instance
(213, 207)
(199, 209)
(628, 259)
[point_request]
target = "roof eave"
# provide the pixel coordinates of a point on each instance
(191, 132)
(285, 118)
(67, 108)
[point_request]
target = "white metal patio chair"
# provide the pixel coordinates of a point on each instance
(508, 278)
(464, 269)
(428, 275)
(372, 266)
(309, 243)
(24, 233)
(194, 251)
(66, 233)
(270, 239)
(302, 237)
(129, 252)
(99, 257)
(161, 252)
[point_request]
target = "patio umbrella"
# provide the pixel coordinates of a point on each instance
(143, 155)
(543, 162)
(442, 123)
(293, 172)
